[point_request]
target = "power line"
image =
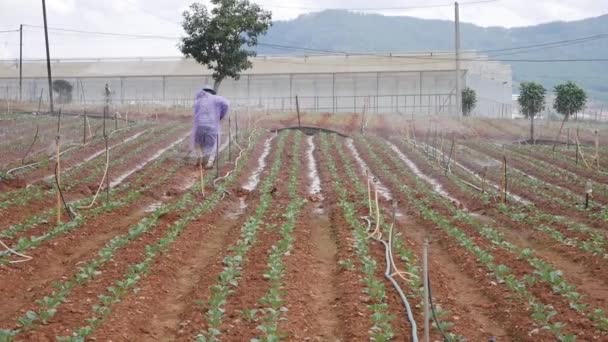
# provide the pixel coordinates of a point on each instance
(9, 31)
(109, 34)
(340, 53)
(599, 36)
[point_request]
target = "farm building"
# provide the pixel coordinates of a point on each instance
(403, 83)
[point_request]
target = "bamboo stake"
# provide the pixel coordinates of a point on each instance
(58, 175)
(84, 128)
(369, 192)
(597, 149)
(217, 156)
(298, 111)
(200, 164)
(505, 180)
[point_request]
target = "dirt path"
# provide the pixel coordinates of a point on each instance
(312, 295)
(167, 301)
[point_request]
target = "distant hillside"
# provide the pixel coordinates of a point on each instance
(353, 32)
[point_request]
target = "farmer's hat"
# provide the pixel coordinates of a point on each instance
(209, 89)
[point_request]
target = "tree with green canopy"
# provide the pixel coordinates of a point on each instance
(469, 101)
(569, 99)
(220, 38)
(532, 101)
(63, 89)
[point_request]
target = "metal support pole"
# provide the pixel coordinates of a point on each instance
(457, 56)
(20, 62)
(48, 55)
(425, 268)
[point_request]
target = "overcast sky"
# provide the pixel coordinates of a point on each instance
(161, 17)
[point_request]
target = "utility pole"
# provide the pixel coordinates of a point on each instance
(20, 62)
(457, 55)
(48, 55)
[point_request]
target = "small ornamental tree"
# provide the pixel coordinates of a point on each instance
(469, 101)
(569, 99)
(219, 39)
(532, 101)
(63, 89)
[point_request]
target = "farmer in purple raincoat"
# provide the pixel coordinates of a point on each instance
(209, 110)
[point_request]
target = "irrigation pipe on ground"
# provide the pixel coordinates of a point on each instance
(388, 275)
(9, 250)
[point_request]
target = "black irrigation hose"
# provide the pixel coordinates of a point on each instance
(31, 146)
(65, 205)
(445, 337)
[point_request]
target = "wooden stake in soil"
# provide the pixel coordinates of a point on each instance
(597, 149)
(426, 304)
(505, 180)
(483, 180)
(58, 175)
(229, 139)
(298, 111)
(447, 167)
(200, 164)
(568, 142)
(236, 125)
(588, 193)
(105, 138)
(369, 192)
(84, 128)
(217, 156)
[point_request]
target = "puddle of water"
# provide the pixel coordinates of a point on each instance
(254, 179)
(153, 207)
(315, 181)
(382, 189)
(140, 166)
(240, 210)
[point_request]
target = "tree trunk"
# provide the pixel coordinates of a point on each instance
(216, 84)
(532, 130)
(561, 128)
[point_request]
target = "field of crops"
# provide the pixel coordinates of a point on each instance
(292, 236)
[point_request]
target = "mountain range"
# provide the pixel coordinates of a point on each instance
(339, 30)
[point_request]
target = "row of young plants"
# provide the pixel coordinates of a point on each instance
(564, 155)
(272, 301)
(422, 197)
(381, 319)
(25, 243)
(119, 135)
(136, 272)
(46, 217)
(590, 240)
(229, 278)
(47, 131)
(48, 305)
(126, 152)
(405, 255)
(556, 195)
(120, 196)
(541, 167)
(543, 271)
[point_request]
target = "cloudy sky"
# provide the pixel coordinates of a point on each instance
(161, 18)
